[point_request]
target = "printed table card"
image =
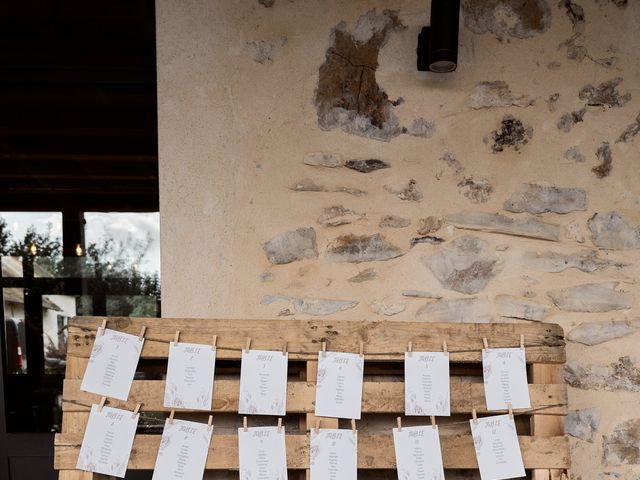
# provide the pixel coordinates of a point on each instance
(505, 378)
(183, 450)
(339, 385)
(497, 448)
(112, 364)
(334, 454)
(263, 382)
(107, 441)
(263, 453)
(189, 381)
(418, 453)
(426, 383)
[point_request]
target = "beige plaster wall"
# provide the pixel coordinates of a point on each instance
(234, 132)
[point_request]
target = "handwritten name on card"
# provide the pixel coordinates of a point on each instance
(426, 383)
(263, 383)
(112, 364)
(497, 448)
(334, 454)
(505, 378)
(263, 453)
(107, 441)
(339, 385)
(418, 453)
(190, 374)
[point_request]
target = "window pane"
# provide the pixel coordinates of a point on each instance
(12, 267)
(132, 306)
(14, 330)
(56, 312)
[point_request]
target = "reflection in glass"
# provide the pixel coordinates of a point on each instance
(56, 312)
(14, 330)
(132, 306)
(12, 267)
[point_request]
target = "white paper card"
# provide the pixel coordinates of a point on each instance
(112, 364)
(263, 383)
(505, 378)
(107, 441)
(339, 385)
(334, 454)
(418, 453)
(189, 381)
(263, 453)
(497, 448)
(426, 383)
(183, 451)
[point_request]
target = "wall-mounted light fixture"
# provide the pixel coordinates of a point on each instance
(78, 250)
(438, 43)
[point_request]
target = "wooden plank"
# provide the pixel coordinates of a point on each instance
(75, 475)
(378, 397)
(383, 340)
(374, 452)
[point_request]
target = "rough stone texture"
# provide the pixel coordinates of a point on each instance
(610, 231)
(430, 239)
(264, 50)
(361, 248)
(463, 310)
(569, 119)
(605, 94)
(535, 198)
(478, 191)
(630, 131)
(622, 447)
(366, 166)
(311, 306)
(421, 127)
(291, 246)
(511, 133)
(308, 185)
(591, 297)
(552, 101)
(573, 231)
(523, 19)
(496, 223)
(267, 3)
(394, 221)
(348, 95)
(420, 294)
(338, 215)
(364, 276)
(606, 161)
(465, 265)
(583, 424)
(323, 159)
(498, 94)
(387, 308)
(411, 191)
(574, 155)
(451, 160)
(622, 375)
(429, 225)
(595, 333)
(588, 261)
(514, 307)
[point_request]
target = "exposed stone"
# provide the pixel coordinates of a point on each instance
(582, 424)
(411, 191)
(285, 313)
(267, 3)
(478, 191)
(266, 277)
(606, 94)
(465, 265)
(623, 375)
(364, 276)
(322, 159)
(574, 155)
(382, 307)
(462, 310)
(552, 102)
(595, 333)
(496, 223)
(291, 246)
(366, 166)
(606, 161)
(630, 131)
(514, 307)
(361, 248)
(420, 294)
(308, 185)
(429, 225)
(610, 231)
(356, 192)
(498, 94)
(591, 297)
(338, 215)
(510, 134)
(573, 231)
(311, 306)
(431, 240)
(586, 261)
(421, 127)
(451, 160)
(348, 95)
(569, 119)
(522, 19)
(535, 198)
(622, 447)
(393, 221)
(264, 50)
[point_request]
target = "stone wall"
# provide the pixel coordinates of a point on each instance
(307, 169)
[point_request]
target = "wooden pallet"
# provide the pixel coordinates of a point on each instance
(544, 447)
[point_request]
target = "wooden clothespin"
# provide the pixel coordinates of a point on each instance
(324, 347)
(214, 344)
(510, 410)
(353, 425)
(410, 352)
(173, 412)
(399, 421)
(284, 349)
(244, 423)
(136, 410)
(248, 345)
(474, 414)
(317, 425)
(176, 338)
(102, 327)
(279, 424)
(522, 340)
(143, 330)
(210, 422)
(485, 343)
(445, 349)
(103, 400)
(362, 349)
(433, 422)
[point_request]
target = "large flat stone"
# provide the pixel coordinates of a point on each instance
(622, 447)
(362, 248)
(582, 424)
(496, 223)
(611, 231)
(462, 310)
(535, 198)
(291, 246)
(311, 306)
(587, 261)
(591, 297)
(622, 375)
(594, 333)
(514, 307)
